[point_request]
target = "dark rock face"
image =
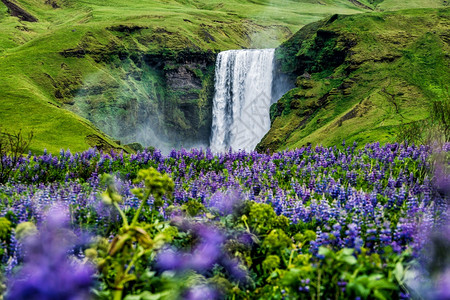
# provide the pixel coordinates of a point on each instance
(17, 11)
(183, 78)
(96, 141)
(162, 99)
(52, 3)
(192, 84)
(189, 81)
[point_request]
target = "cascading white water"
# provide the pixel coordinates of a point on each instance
(243, 94)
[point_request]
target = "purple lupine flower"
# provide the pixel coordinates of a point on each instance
(442, 290)
(201, 292)
(304, 287)
(203, 255)
(226, 202)
(404, 296)
(48, 273)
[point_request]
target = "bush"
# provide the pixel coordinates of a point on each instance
(12, 146)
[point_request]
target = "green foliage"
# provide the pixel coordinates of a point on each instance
(5, 228)
(193, 208)
(12, 147)
(283, 267)
(413, 132)
(110, 196)
(271, 263)
(155, 183)
(262, 218)
(434, 129)
(305, 237)
(25, 229)
(336, 275)
(276, 240)
(125, 259)
(441, 115)
(364, 78)
(278, 259)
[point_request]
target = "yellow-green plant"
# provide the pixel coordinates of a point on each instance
(121, 260)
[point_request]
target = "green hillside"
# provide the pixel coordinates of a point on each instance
(397, 5)
(99, 60)
(136, 70)
(360, 77)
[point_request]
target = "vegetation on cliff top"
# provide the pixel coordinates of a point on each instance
(362, 78)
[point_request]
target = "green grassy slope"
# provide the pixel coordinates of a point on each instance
(38, 82)
(364, 75)
(397, 5)
(102, 48)
(228, 23)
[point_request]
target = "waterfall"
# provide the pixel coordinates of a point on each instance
(243, 94)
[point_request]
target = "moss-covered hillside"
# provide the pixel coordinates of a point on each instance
(136, 70)
(140, 70)
(359, 77)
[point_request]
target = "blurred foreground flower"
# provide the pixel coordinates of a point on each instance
(431, 279)
(48, 273)
(203, 255)
(207, 252)
(225, 203)
(201, 292)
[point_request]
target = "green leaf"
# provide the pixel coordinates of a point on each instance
(106, 198)
(210, 216)
(24, 230)
(375, 277)
(127, 278)
(380, 295)
(5, 228)
(325, 252)
(149, 296)
(148, 274)
(146, 296)
(274, 274)
(347, 251)
(382, 284)
(133, 297)
(117, 243)
(349, 259)
(399, 272)
(361, 290)
(138, 192)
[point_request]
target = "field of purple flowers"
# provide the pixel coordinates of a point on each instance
(314, 223)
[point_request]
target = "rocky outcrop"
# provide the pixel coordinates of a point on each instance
(16, 11)
(156, 99)
(97, 141)
(183, 78)
(359, 4)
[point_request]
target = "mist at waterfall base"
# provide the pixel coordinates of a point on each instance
(146, 136)
(246, 84)
(244, 90)
(128, 110)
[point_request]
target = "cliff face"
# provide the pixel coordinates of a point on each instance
(155, 99)
(361, 78)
